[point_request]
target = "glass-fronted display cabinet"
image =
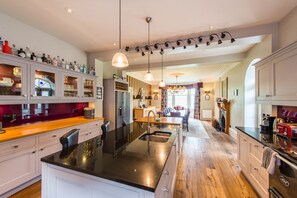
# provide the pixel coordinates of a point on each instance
(70, 86)
(89, 88)
(13, 76)
(44, 85)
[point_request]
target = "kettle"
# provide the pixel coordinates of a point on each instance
(276, 121)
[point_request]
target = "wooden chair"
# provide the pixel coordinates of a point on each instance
(186, 119)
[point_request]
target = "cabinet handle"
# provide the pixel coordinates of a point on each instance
(244, 140)
(256, 169)
(256, 146)
(24, 95)
(166, 190)
(42, 149)
(33, 152)
(54, 136)
(87, 134)
(32, 95)
(16, 146)
(268, 95)
(166, 172)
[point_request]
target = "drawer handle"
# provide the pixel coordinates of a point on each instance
(268, 95)
(256, 146)
(244, 140)
(24, 95)
(34, 152)
(87, 134)
(42, 149)
(256, 169)
(166, 172)
(54, 136)
(166, 190)
(16, 146)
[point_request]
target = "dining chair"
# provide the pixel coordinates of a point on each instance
(186, 119)
(175, 114)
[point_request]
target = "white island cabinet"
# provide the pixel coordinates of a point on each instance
(60, 182)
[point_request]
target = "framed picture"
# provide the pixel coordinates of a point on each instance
(207, 97)
(99, 94)
(224, 84)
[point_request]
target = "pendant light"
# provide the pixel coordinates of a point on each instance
(120, 59)
(162, 83)
(148, 76)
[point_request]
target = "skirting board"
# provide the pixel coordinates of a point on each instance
(233, 133)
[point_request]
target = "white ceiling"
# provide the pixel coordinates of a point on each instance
(93, 27)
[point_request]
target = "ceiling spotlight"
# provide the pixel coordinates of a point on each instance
(189, 41)
(147, 48)
(223, 35)
(156, 46)
(137, 49)
(166, 44)
(152, 52)
(220, 41)
(162, 51)
(200, 39)
(142, 53)
(178, 42)
(196, 45)
(207, 43)
(211, 37)
(127, 49)
(173, 47)
(185, 47)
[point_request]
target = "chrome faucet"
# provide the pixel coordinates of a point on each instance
(149, 122)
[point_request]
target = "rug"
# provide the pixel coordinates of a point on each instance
(196, 129)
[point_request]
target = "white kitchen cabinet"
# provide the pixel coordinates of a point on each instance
(89, 130)
(243, 152)
(25, 81)
(249, 155)
(17, 168)
(14, 75)
(45, 151)
(275, 77)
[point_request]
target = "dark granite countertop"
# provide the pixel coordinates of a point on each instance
(120, 156)
(285, 147)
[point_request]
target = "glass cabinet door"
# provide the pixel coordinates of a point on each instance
(44, 83)
(13, 76)
(89, 88)
(70, 86)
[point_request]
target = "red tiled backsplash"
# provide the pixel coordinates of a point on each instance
(288, 113)
(14, 115)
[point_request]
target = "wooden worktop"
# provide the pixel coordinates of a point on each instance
(163, 120)
(41, 127)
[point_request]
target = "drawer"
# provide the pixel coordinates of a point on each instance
(17, 145)
(256, 150)
(262, 174)
(50, 138)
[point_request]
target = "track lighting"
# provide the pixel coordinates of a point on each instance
(223, 35)
(152, 52)
(183, 43)
(211, 37)
(162, 51)
(127, 49)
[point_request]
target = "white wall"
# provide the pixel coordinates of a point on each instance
(23, 35)
(207, 104)
(288, 28)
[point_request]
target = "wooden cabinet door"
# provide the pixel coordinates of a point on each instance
(264, 81)
(285, 76)
(17, 168)
(243, 152)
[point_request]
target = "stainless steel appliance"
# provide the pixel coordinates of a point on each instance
(122, 108)
(284, 180)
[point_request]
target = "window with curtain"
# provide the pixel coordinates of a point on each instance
(184, 99)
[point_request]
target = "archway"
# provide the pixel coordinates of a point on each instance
(250, 106)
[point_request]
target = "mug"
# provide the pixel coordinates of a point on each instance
(7, 81)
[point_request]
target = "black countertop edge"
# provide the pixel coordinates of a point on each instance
(256, 133)
(112, 178)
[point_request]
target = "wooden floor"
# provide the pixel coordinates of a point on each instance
(207, 168)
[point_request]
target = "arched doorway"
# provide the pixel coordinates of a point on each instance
(250, 106)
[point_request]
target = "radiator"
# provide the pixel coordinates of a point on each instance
(207, 114)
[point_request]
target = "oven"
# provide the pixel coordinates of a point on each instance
(283, 183)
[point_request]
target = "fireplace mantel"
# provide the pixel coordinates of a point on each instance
(225, 106)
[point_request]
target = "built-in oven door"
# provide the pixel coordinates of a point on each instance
(284, 180)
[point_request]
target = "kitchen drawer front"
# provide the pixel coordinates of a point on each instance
(17, 145)
(259, 176)
(256, 150)
(50, 138)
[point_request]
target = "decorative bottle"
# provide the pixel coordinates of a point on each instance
(33, 56)
(6, 49)
(55, 61)
(75, 66)
(14, 50)
(59, 62)
(21, 53)
(27, 52)
(63, 63)
(49, 60)
(43, 58)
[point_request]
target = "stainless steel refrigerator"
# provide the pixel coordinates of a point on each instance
(122, 108)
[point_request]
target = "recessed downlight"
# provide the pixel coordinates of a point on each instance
(69, 10)
(114, 44)
(211, 27)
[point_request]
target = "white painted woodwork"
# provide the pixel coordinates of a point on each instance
(28, 82)
(143, 112)
(58, 182)
(249, 157)
(17, 168)
(276, 77)
(20, 159)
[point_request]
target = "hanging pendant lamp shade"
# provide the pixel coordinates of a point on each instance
(162, 83)
(148, 76)
(120, 59)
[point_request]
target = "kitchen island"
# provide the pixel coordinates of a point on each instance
(117, 164)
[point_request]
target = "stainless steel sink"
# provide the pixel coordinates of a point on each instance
(157, 136)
